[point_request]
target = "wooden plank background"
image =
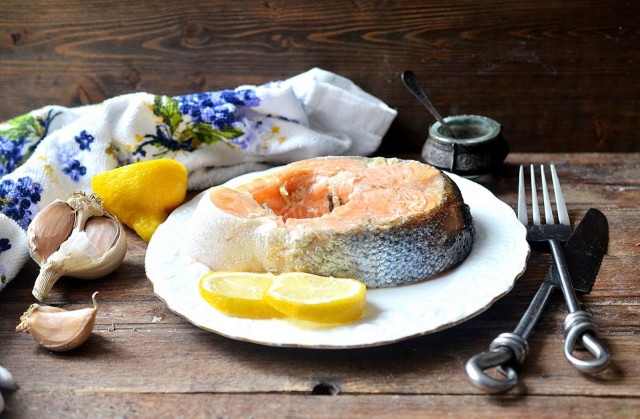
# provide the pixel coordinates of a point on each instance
(559, 75)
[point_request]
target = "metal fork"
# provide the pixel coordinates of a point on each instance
(579, 326)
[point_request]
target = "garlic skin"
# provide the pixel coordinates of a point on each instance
(76, 238)
(57, 329)
(6, 379)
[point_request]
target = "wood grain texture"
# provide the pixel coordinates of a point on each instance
(145, 361)
(133, 405)
(560, 76)
(206, 405)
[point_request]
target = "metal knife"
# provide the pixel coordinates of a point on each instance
(583, 253)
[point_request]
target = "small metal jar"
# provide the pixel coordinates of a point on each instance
(478, 146)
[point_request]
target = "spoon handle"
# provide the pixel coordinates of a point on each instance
(411, 82)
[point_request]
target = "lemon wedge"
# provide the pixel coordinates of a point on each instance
(143, 194)
(239, 294)
(319, 299)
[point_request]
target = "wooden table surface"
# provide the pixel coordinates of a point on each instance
(145, 361)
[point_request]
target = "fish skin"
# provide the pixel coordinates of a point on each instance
(413, 249)
(381, 256)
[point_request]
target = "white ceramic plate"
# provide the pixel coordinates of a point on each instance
(498, 257)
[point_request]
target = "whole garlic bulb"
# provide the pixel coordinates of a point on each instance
(76, 238)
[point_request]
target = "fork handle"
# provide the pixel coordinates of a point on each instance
(505, 352)
(579, 326)
(564, 278)
(580, 330)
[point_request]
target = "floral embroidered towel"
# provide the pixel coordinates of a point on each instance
(49, 153)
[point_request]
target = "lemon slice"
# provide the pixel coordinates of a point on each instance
(316, 298)
(238, 294)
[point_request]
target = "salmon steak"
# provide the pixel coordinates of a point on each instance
(385, 222)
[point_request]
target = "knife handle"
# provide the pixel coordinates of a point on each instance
(580, 330)
(505, 351)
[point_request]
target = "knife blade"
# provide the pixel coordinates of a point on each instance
(583, 252)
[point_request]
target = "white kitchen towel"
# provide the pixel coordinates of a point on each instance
(54, 151)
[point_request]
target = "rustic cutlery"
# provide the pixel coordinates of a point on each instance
(579, 326)
(583, 253)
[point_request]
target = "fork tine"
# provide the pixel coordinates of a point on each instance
(522, 199)
(548, 212)
(535, 211)
(561, 206)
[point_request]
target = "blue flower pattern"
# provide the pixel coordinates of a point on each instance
(75, 170)
(11, 154)
(84, 140)
(21, 138)
(217, 108)
(189, 121)
(18, 199)
(72, 166)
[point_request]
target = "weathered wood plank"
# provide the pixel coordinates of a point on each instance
(210, 404)
(554, 83)
(180, 358)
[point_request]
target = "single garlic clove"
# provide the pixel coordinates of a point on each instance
(49, 229)
(57, 329)
(102, 232)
